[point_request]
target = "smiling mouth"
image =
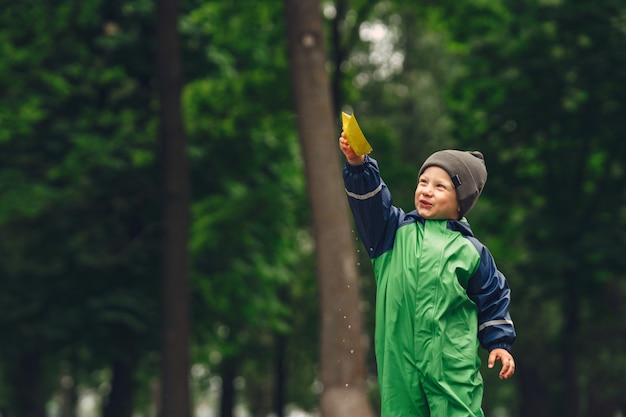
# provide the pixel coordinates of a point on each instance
(425, 204)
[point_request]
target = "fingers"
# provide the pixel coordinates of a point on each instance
(347, 150)
(508, 368)
(508, 363)
(344, 144)
(343, 140)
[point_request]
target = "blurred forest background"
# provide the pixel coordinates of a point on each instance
(90, 295)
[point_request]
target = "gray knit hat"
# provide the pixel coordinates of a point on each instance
(467, 171)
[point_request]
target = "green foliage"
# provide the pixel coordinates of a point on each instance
(536, 85)
(537, 94)
(79, 213)
(250, 213)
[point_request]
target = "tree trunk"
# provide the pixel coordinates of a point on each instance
(342, 357)
(280, 373)
(30, 400)
(536, 400)
(571, 394)
(228, 372)
(175, 399)
(121, 399)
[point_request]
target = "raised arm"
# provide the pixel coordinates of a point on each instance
(375, 217)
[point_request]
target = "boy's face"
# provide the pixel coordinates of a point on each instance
(435, 195)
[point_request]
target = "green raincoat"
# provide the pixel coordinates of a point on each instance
(439, 294)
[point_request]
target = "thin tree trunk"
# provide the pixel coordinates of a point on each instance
(342, 357)
(280, 375)
(228, 373)
(536, 400)
(175, 399)
(571, 394)
(121, 400)
(29, 391)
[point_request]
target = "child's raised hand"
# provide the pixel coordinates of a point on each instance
(508, 364)
(347, 150)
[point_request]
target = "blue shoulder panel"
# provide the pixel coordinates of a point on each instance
(490, 291)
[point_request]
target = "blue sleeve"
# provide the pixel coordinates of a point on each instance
(490, 291)
(375, 217)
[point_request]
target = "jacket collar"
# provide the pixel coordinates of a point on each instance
(461, 226)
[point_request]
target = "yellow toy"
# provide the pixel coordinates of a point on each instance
(355, 136)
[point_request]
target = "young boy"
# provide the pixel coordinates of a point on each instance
(438, 291)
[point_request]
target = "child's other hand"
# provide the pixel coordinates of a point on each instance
(347, 150)
(508, 364)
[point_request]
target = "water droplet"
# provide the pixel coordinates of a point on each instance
(347, 385)
(349, 326)
(351, 350)
(345, 317)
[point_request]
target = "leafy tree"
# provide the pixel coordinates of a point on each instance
(77, 226)
(250, 242)
(534, 86)
(542, 103)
